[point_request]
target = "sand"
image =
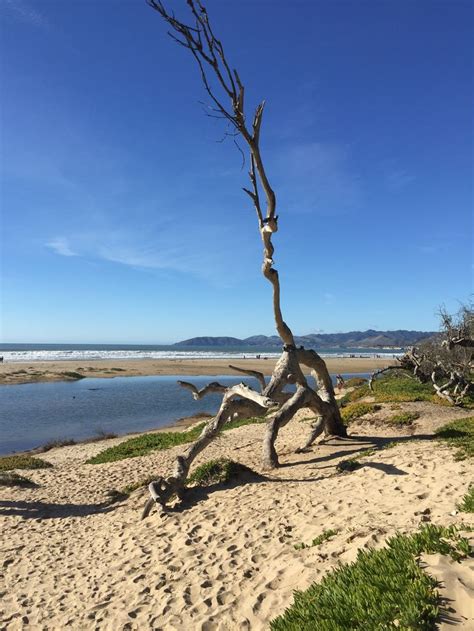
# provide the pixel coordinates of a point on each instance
(13, 373)
(226, 559)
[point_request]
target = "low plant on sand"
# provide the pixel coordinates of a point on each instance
(404, 418)
(355, 382)
(459, 434)
(143, 445)
(317, 541)
(467, 503)
(10, 478)
(357, 410)
(217, 471)
(348, 465)
(22, 461)
(73, 375)
(382, 589)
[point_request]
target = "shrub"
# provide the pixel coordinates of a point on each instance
(346, 466)
(10, 478)
(356, 410)
(217, 471)
(459, 434)
(382, 589)
(404, 418)
(355, 382)
(20, 461)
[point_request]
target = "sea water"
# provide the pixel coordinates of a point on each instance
(91, 352)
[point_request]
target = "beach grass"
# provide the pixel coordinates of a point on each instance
(404, 418)
(460, 435)
(382, 589)
(357, 410)
(143, 445)
(22, 461)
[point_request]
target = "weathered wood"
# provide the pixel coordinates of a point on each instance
(228, 103)
(251, 373)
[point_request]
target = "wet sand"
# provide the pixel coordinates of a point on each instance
(30, 372)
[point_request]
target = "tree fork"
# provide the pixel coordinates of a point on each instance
(214, 69)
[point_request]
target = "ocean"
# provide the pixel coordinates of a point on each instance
(91, 352)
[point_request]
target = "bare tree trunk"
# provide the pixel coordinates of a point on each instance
(222, 82)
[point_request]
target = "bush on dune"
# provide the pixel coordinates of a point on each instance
(22, 461)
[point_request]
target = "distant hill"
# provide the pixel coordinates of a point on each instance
(353, 339)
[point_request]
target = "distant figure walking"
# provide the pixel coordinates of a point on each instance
(1, 360)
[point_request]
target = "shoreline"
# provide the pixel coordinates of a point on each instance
(16, 373)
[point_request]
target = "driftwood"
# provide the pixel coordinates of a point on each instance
(226, 92)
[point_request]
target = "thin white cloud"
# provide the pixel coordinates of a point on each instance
(61, 246)
(317, 177)
(24, 12)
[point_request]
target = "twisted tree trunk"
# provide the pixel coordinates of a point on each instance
(220, 82)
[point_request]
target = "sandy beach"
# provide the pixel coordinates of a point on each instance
(225, 560)
(12, 373)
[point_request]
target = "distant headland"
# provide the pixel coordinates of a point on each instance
(353, 339)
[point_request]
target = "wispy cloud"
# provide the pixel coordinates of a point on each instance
(200, 252)
(61, 246)
(318, 178)
(24, 12)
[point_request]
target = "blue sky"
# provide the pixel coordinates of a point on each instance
(123, 218)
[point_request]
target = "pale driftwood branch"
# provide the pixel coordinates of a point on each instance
(162, 490)
(251, 373)
(224, 85)
(214, 386)
(376, 373)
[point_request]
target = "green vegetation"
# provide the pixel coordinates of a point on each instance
(317, 541)
(217, 471)
(459, 434)
(20, 461)
(355, 382)
(404, 418)
(143, 445)
(10, 478)
(73, 375)
(395, 388)
(382, 590)
(348, 465)
(356, 410)
(467, 504)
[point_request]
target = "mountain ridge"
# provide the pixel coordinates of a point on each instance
(370, 338)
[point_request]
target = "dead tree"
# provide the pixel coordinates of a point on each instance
(446, 360)
(226, 93)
